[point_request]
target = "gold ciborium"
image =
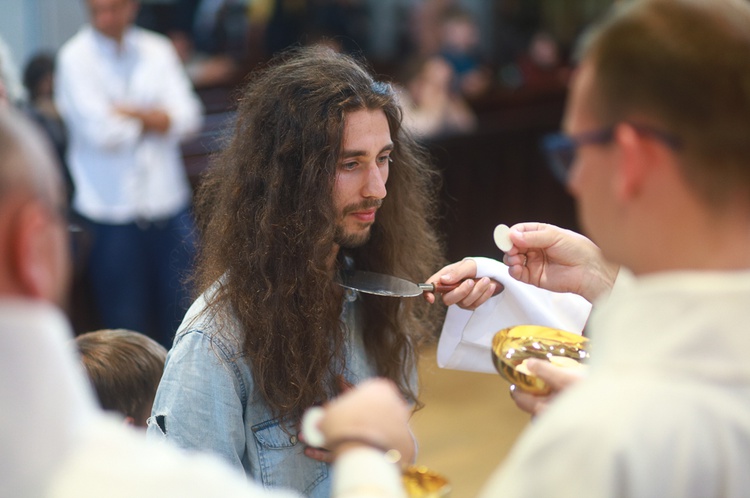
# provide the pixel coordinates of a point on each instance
(421, 482)
(512, 346)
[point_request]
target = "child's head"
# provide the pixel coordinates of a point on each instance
(459, 31)
(125, 368)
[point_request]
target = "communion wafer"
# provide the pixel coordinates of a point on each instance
(310, 431)
(502, 237)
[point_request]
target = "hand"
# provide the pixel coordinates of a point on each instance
(319, 454)
(375, 412)
(154, 120)
(322, 454)
(471, 293)
(557, 378)
(558, 260)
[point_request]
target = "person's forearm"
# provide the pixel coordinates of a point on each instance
(152, 120)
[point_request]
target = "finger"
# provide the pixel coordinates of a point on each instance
(542, 237)
(480, 288)
(483, 290)
(519, 269)
(529, 403)
(491, 290)
(528, 227)
(459, 293)
(473, 299)
(518, 259)
(558, 378)
(429, 297)
(319, 454)
(517, 272)
(440, 275)
(456, 272)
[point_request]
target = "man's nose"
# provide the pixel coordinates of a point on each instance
(375, 182)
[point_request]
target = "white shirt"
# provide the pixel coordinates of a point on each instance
(122, 174)
(665, 410)
(55, 442)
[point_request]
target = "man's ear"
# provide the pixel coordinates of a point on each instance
(633, 163)
(31, 250)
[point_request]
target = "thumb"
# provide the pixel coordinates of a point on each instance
(536, 239)
(558, 378)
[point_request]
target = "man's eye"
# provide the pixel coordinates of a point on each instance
(385, 159)
(349, 165)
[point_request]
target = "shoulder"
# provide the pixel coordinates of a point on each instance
(153, 41)
(210, 326)
(82, 41)
(620, 430)
(207, 346)
(206, 338)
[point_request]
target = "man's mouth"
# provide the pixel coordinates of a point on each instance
(365, 212)
(366, 215)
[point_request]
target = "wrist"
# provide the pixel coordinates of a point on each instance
(605, 282)
(342, 445)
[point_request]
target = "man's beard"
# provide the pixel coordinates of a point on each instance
(360, 238)
(351, 240)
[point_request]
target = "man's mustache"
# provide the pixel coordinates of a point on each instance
(363, 206)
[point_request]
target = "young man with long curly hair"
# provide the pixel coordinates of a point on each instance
(298, 194)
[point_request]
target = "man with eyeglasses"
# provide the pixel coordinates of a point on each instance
(656, 152)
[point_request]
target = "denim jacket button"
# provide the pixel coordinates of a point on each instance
(293, 439)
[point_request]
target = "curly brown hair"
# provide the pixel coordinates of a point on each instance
(265, 209)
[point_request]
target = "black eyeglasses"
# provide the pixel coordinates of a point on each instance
(560, 149)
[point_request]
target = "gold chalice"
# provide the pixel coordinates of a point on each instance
(512, 346)
(421, 482)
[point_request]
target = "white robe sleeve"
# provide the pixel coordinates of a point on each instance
(364, 473)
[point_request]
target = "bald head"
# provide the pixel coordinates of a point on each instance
(26, 161)
(33, 237)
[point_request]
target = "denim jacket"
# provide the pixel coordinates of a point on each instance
(207, 400)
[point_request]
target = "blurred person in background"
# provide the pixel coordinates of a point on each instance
(39, 78)
(12, 91)
(128, 103)
(459, 46)
(432, 107)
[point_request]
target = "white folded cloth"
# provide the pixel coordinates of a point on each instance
(466, 339)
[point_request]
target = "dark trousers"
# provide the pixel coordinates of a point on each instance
(137, 273)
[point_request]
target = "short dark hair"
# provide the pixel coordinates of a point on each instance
(39, 67)
(686, 65)
(125, 368)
